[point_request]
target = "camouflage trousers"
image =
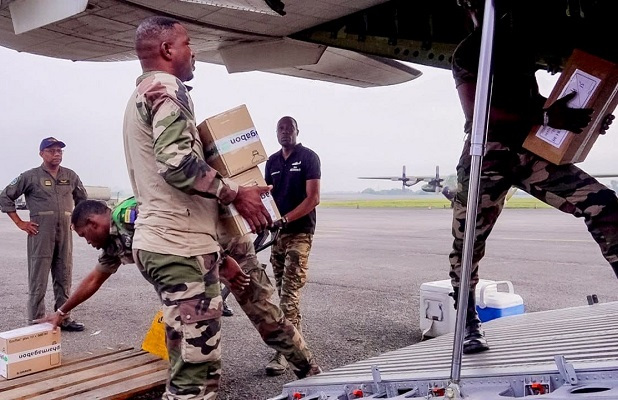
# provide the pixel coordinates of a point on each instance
(289, 257)
(565, 187)
(276, 331)
(190, 293)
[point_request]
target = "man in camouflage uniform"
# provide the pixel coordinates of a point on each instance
(274, 328)
(178, 195)
(51, 192)
(112, 231)
(516, 106)
(294, 172)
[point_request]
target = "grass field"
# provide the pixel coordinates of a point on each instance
(514, 202)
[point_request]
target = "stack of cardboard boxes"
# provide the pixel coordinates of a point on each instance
(232, 146)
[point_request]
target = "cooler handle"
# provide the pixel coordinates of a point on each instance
(482, 294)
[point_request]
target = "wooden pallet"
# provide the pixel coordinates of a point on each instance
(115, 374)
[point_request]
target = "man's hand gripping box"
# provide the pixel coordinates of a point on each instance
(231, 222)
(596, 82)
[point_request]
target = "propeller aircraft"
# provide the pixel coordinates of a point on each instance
(434, 183)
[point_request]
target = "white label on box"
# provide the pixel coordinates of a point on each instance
(584, 85)
(266, 200)
(234, 142)
(28, 354)
(26, 330)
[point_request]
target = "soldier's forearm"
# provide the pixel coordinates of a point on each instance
(194, 176)
(89, 286)
(14, 217)
(191, 176)
(302, 209)
(184, 169)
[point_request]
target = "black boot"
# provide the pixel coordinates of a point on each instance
(474, 339)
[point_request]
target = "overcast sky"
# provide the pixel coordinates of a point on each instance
(356, 132)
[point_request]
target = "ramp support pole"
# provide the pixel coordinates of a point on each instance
(477, 149)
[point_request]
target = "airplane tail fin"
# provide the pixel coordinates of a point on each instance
(438, 180)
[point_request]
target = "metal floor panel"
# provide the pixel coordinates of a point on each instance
(524, 344)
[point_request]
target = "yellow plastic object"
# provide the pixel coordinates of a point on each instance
(154, 341)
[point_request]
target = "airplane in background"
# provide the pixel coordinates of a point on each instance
(434, 183)
(358, 43)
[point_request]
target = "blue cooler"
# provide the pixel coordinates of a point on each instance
(492, 304)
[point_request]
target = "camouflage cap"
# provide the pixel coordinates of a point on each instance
(45, 143)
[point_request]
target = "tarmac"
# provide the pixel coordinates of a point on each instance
(362, 295)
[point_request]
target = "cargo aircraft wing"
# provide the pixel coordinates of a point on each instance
(353, 42)
(243, 35)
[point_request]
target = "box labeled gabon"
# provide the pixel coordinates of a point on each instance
(28, 350)
(596, 82)
(230, 220)
(231, 143)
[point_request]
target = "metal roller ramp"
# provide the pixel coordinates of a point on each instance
(565, 354)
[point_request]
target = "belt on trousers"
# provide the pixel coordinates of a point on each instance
(36, 214)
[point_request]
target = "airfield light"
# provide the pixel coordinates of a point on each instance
(438, 391)
(357, 393)
(538, 388)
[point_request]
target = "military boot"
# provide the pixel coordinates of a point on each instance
(311, 369)
(277, 365)
(315, 370)
(474, 337)
(227, 311)
(474, 340)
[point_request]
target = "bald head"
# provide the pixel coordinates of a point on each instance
(162, 44)
(290, 120)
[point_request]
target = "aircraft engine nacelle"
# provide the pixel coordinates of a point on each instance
(102, 193)
(430, 188)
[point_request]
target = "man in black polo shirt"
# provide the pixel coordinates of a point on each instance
(294, 173)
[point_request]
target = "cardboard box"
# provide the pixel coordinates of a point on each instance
(231, 143)
(27, 350)
(596, 82)
(231, 223)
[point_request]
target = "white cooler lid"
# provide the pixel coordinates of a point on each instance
(501, 300)
(445, 286)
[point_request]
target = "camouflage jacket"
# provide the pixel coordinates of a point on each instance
(178, 192)
(163, 102)
(119, 247)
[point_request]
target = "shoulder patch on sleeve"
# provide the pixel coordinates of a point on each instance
(14, 182)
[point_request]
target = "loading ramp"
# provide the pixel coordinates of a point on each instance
(562, 354)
